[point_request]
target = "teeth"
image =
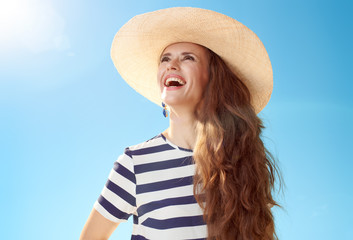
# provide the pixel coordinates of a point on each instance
(181, 82)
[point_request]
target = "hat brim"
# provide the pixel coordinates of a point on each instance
(137, 46)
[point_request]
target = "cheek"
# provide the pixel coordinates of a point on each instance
(159, 76)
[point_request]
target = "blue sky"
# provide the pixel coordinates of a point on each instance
(66, 114)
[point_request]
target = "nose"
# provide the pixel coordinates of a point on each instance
(173, 64)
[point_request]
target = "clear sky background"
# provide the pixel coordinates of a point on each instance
(66, 114)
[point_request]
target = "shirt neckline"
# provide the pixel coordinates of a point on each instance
(173, 145)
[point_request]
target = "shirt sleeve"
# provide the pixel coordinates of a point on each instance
(117, 200)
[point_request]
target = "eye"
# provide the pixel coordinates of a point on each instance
(165, 59)
(189, 57)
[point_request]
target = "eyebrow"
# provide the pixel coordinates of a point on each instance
(183, 53)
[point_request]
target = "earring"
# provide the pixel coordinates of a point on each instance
(165, 111)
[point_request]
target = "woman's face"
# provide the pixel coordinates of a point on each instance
(183, 74)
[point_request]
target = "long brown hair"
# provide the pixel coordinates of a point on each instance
(235, 173)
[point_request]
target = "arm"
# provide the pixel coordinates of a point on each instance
(97, 227)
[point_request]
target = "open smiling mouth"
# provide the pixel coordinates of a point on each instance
(174, 82)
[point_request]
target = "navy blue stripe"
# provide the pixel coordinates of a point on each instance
(121, 193)
(112, 209)
(164, 203)
(138, 237)
(174, 222)
(185, 149)
(179, 162)
(148, 150)
(172, 183)
(123, 171)
(136, 219)
(197, 239)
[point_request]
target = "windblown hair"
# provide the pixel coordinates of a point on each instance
(235, 173)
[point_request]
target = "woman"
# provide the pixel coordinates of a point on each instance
(208, 176)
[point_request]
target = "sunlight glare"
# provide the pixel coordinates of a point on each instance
(31, 25)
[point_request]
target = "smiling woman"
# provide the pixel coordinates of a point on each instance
(183, 75)
(208, 175)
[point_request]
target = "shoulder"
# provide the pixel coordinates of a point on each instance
(153, 145)
(156, 140)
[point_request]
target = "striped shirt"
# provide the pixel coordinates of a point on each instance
(153, 181)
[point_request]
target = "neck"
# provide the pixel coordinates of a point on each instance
(181, 131)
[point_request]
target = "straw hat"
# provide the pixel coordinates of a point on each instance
(139, 43)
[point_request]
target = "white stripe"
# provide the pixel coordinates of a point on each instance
(152, 143)
(126, 162)
(163, 194)
(185, 210)
(159, 156)
(172, 234)
(175, 211)
(165, 174)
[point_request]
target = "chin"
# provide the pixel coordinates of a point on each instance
(173, 102)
